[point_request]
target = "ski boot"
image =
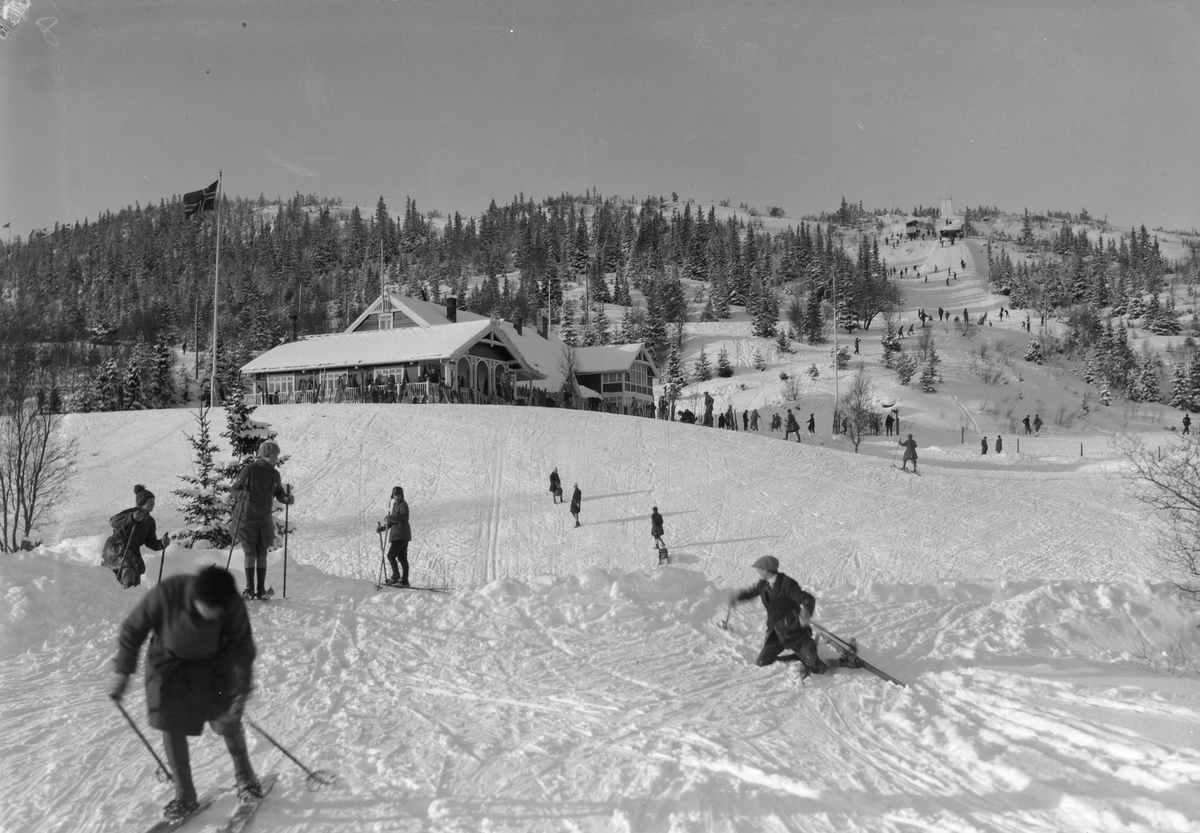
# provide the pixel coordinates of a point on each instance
(177, 810)
(249, 791)
(849, 659)
(248, 594)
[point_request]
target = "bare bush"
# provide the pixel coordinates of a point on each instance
(1167, 479)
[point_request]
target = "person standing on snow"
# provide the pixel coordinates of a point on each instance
(789, 618)
(812, 423)
(792, 426)
(576, 503)
(754, 420)
(399, 535)
(256, 488)
(198, 670)
(983, 445)
(1187, 423)
(556, 486)
(1025, 422)
(131, 529)
(656, 529)
(1037, 424)
(999, 444)
(910, 452)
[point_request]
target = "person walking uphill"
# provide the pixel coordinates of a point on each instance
(791, 426)
(789, 618)
(198, 670)
(399, 535)
(255, 489)
(555, 486)
(131, 529)
(910, 452)
(656, 529)
(576, 503)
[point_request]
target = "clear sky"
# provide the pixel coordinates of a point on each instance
(1055, 106)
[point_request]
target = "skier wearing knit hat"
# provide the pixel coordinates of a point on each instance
(132, 528)
(254, 491)
(789, 618)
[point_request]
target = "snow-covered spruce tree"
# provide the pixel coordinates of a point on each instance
(766, 313)
(1105, 394)
(674, 380)
(203, 500)
(783, 344)
(601, 327)
(759, 360)
(1034, 352)
(891, 345)
(566, 331)
(842, 358)
(813, 371)
(929, 378)
(1180, 392)
(905, 366)
(724, 368)
(702, 369)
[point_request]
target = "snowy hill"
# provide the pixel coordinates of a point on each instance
(569, 684)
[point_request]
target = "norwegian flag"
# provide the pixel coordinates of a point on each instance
(203, 200)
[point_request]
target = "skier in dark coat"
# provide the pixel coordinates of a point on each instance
(556, 486)
(198, 670)
(399, 535)
(791, 426)
(132, 528)
(576, 503)
(999, 444)
(256, 488)
(656, 528)
(910, 452)
(789, 610)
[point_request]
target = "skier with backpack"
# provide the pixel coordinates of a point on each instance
(132, 528)
(789, 619)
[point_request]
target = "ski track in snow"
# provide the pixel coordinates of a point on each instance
(570, 684)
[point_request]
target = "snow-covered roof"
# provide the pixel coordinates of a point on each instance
(422, 313)
(614, 358)
(376, 348)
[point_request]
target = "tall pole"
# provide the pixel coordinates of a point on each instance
(836, 398)
(212, 395)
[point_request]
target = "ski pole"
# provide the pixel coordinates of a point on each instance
(163, 774)
(237, 522)
(320, 778)
(162, 561)
(382, 558)
(725, 626)
(286, 506)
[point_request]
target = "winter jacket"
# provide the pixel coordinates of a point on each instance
(254, 491)
(576, 501)
(129, 535)
(555, 483)
(194, 668)
(397, 522)
(656, 525)
(782, 599)
(910, 449)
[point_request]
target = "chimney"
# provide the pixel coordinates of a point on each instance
(452, 309)
(517, 325)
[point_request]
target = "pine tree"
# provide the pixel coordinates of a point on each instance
(1180, 389)
(760, 361)
(1105, 393)
(906, 366)
(724, 368)
(601, 328)
(814, 324)
(783, 344)
(1034, 352)
(675, 379)
(204, 501)
(702, 369)
(929, 378)
(566, 332)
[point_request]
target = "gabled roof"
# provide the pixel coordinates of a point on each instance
(423, 313)
(376, 348)
(614, 358)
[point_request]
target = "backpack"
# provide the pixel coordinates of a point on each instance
(115, 550)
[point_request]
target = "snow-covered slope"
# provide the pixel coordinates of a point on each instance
(569, 684)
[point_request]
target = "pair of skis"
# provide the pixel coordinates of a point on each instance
(399, 586)
(237, 822)
(844, 646)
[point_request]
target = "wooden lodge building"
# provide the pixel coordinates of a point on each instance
(403, 349)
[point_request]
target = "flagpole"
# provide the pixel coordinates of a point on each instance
(212, 395)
